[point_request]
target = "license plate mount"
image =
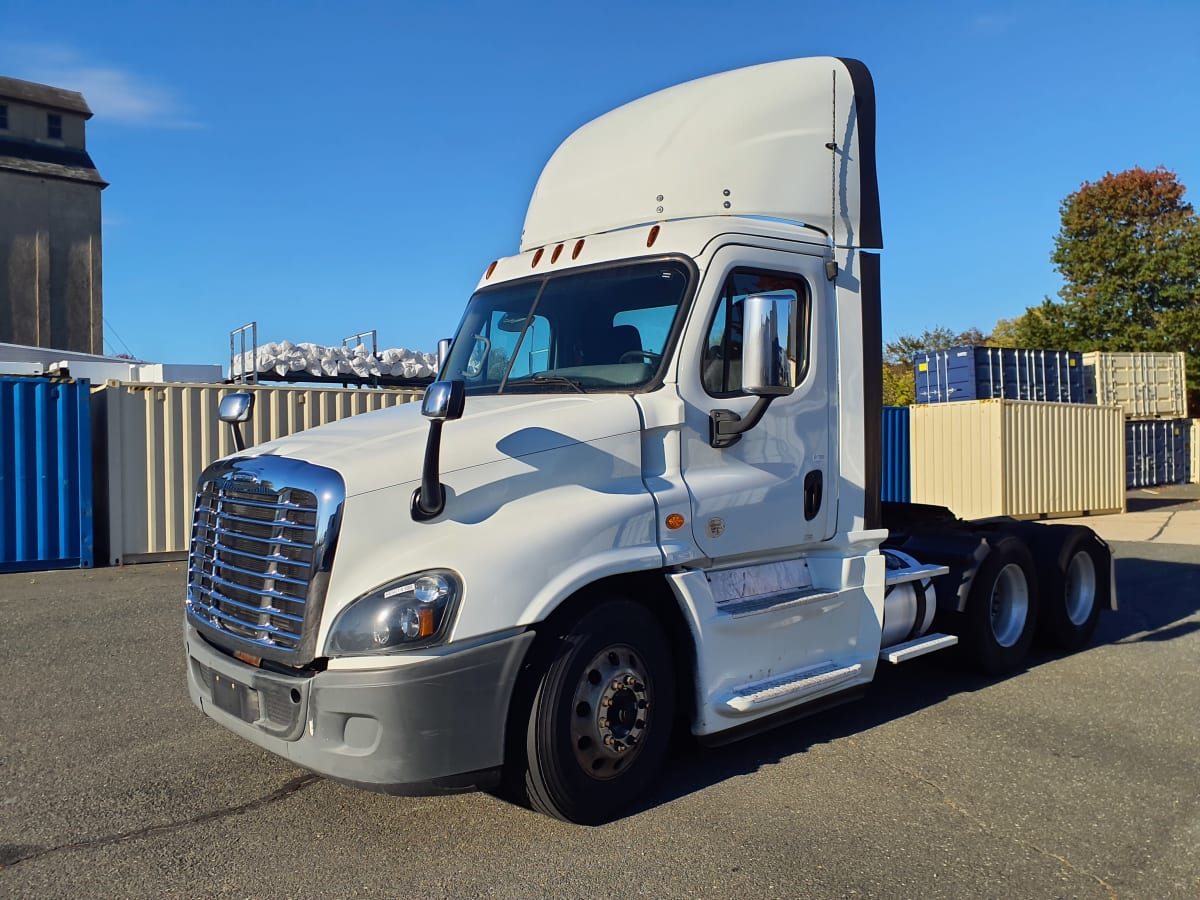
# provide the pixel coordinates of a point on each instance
(233, 697)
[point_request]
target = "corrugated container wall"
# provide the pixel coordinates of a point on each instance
(1019, 458)
(45, 474)
(1157, 452)
(158, 438)
(1194, 448)
(1144, 385)
(897, 482)
(982, 373)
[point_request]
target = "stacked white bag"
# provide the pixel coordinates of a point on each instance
(285, 358)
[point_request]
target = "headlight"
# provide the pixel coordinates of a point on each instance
(411, 612)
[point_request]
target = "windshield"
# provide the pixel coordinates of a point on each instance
(592, 330)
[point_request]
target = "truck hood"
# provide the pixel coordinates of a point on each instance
(385, 448)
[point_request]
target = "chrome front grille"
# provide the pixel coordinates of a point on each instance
(263, 534)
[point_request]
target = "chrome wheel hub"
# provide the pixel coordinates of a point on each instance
(1009, 605)
(1080, 588)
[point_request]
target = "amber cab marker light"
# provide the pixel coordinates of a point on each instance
(674, 521)
(537, 257)
(556, 254)
(491, 269)
(249, 660)
(652, 237)
(578, 249)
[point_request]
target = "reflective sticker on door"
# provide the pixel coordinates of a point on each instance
(716, 527)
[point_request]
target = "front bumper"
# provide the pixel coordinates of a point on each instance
(430, 727)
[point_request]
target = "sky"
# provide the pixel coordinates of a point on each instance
(329, 169)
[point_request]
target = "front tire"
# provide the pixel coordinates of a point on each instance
(601, 718)
(1002, 608)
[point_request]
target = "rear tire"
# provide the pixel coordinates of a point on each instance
(1076, 585)
(1002, 608)
(601, 717)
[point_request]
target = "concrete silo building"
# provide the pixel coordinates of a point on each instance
(50, 264)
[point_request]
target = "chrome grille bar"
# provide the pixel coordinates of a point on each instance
(263, 535)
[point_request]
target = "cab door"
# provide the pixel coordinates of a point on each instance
(773, 490)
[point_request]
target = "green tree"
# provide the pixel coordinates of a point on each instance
(1129, 255)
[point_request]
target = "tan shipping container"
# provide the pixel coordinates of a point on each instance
(1019, 458)
(152, 441)
(1144, 385)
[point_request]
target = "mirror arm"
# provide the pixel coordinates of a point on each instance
(429, 499)
(725, 427)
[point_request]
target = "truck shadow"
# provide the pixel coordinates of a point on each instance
(1156, 597)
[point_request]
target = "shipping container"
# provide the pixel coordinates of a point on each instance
(46, 517)
(1157, 451)
(897, 481)
(1018, 458)
(1194, 450)
(981, 373)
(154, 440)
(1144, 385)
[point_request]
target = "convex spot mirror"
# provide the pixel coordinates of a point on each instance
(444, 401)
(236, 408)
(769, 320)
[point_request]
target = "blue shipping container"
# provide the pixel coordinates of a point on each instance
(45, 474)
(987, 373)
(1157, 452)
(897, 459)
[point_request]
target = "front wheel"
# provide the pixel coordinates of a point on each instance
(1001, 608)
(602, 714)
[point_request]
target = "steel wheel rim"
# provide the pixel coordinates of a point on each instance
(1009, 605)
(1080, 588)
(610, 712)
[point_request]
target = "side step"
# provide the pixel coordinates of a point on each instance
(898, 653)
(788, 686)
(912, 573)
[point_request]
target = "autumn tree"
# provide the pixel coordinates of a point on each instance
(1129, 255)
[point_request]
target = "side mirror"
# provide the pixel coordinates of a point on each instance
(235, 409)
(444, 402)
(768, 322)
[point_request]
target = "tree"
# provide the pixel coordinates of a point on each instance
(899, 388)
(1129, 254)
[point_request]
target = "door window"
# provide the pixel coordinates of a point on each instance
(722, 361)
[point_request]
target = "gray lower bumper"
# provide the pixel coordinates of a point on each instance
(434, 726)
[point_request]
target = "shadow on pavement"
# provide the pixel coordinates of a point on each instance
(1155, 597)
(1163, 498)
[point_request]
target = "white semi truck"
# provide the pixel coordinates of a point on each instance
(644, 496)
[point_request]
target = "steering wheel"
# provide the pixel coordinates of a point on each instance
(635, 355)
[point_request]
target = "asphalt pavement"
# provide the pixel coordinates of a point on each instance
(1078, 777)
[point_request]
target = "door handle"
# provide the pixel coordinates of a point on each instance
(812, 494)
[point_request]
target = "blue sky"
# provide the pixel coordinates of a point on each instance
(326, 170)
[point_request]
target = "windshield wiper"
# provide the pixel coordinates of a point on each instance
(543, 378)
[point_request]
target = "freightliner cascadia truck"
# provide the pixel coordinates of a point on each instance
(643, 497)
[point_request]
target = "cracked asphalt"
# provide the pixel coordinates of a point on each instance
(1079, 777)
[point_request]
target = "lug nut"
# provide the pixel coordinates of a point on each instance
(630, 680)
(608, 740)
(621, 748)
(617, 685)
(640, 723)
(643, 704)
(607, 701)
(604, 723)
